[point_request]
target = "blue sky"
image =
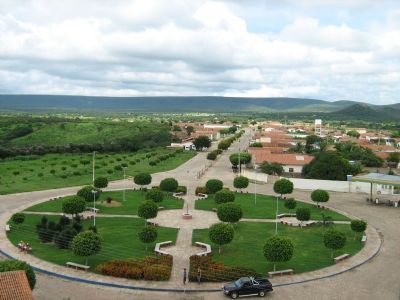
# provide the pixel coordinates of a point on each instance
(330, 50)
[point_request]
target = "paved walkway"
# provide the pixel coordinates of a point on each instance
(363, 279)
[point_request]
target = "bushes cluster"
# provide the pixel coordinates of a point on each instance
(201, 190)
(213, 186)
(216, 271)
(226, 143)
(214, 154)
(148, 268)
(160, 158)
(169, 184)
(155, 195)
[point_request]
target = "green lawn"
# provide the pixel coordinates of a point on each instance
(61, 170)
(246, 249)
(119, 240)
(129, 207)
(266, 207)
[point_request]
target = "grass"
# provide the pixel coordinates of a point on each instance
(118, 235)
(246, 249)
(266, 207)
(62, 170)
(132, 200)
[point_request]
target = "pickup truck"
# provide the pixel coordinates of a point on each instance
(247, 286)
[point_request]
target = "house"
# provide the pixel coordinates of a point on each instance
(14, 285)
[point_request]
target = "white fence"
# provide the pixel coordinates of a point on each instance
(331, 185)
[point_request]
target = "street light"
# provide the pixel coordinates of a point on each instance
(276, 217)
(94, 207)
(93, 172)
(123, 197)
(255, 186)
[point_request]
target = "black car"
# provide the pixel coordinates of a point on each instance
(247, 286)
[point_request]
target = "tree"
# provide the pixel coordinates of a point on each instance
(283, 186)
(278, 249)
(86, 244)
(319, 196)
(224, 145)
(273, 168)
(221, 234)
(73, 205)
(394, 158)
(18, 218)
(358, 226)
(142, 179)
(241, 182)
(312, 143)
(155, 195)
(303, 214)
(224, 196)
(334, 240)
(64, 238)
(202, 142)
(148, 235)
(290, 203)
(245, 158)
(256, 145)
(148, 210)
(189, 130)
(353, 133)
(177, 128)
(17, 265)
(214, 185)
(101, 182)
(87, 194)
(212, 155)
(169, 184)
(229, 212)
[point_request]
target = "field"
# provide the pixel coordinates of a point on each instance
(119, 240)
(266, 207)
(30, 173)
(246, 249)
(127, 207)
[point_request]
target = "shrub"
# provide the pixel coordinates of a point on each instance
(212, 156)
(303, 214)
(155, 195)
(181, 189)
(224, 196)
(213, 186)
(290, 203)
(118, 168)
(101, 182)
(86, 193)
(86, 244)
(156, 272)
(142, 179)
(64, 238)
(18, 218)
(229, 212)
(278, 249)
(334, 240)
(283, 186)
(169, 184)
(148, 210)
(358, 226)
(16, 265)
(201, 190)
(221, 234)
(319, 196)
(148, 235)
(73, 205)
(241, 182)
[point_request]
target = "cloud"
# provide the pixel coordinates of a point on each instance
(198, 48)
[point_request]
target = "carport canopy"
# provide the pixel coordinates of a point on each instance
(378, 178)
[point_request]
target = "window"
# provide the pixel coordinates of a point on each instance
(291, 170)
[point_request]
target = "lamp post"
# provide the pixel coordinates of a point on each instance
(94, 207)
(276, 217)
(255, 186)
(123, 191)
(94, 158)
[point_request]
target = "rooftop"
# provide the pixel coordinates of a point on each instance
(14, 285)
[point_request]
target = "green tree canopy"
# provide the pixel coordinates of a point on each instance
(202, 142)
(358, 226)
(18, 218)
(241, 182)
(214, 185)
(319, 196)
(303, 214)
(290, 203)
(221, 234)
(148, 210)
(87, 194)
(169, 184)
(245, 158)
(334, 240)
(229, 212)
(148, 235)
(353, 133)
(283, 186)
(278, 249)
(86, 244)
(101, 182)
(155, 195)
(224, 196)
(73, 205)
(189, 129)
(273, 168)
(142, 179)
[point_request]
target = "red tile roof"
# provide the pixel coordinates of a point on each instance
(14, 286)
(284, 159)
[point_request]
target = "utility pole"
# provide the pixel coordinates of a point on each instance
(94, 207)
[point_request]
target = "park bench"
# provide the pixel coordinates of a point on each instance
(202, 196)
(152, 223)
(161, 208)
(364, 239)
(207, 248)
(280, 272)
(77, 266)
(341, 257)
(179, 194)
(8, 228)
(157, 248)
(285, 215)
(92, 209)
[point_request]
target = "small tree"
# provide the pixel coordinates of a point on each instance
(189, 129)
(278, 249)
(245, 158)
(155, 195)
(358, 226)
(148, 235)
(224, 196)
(221, 234)
(18, 218)
(86, 244)
(273, 168)
(290, 203)
(73, 205)
(64, 238)
(283, 186)
(169, 184)
(229, 212)
(319, 196)
(303, 214)
(142, 179)
(17, 265)
(101, 182)
(334, 240)
(212, 156)
(202, 142)
(241, 182)
(148, 210)
(214, 185)
(87, 194)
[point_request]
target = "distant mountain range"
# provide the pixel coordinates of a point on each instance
(341, 109)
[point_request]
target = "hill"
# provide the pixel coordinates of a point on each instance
(368, 112)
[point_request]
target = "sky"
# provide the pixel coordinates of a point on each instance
(329, 50)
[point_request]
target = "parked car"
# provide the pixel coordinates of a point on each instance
(247, 286)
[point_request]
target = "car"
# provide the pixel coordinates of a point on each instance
(247, 286)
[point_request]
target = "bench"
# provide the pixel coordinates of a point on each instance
(179, 194)
(77, 266)
(152, 223)
(8, 228)
(341, 257)
(364, 239)
(207, 248)
(202, 196)
(157, 248)
(285, 215)
(161, 208)
(280, 272)
(95, 210)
